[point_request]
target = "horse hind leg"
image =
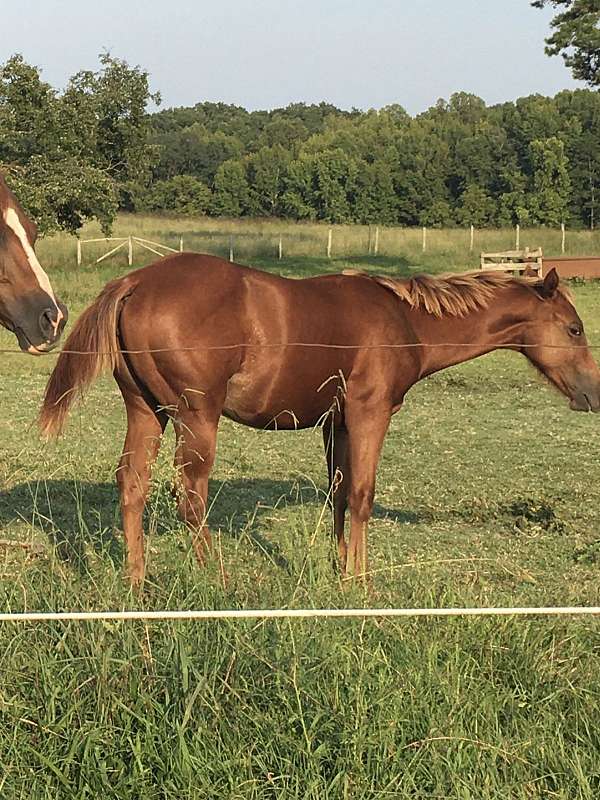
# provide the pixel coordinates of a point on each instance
(195, 455)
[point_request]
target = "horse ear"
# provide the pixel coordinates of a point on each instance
(547, 288)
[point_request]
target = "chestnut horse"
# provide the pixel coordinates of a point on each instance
(192, 337)
(28, 306)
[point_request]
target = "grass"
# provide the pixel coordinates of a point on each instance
(259, 240)
(487, 494)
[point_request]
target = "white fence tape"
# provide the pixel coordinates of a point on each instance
(294, 613)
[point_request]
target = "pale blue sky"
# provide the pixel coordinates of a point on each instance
(267, 53)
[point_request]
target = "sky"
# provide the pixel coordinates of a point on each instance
(264, 54)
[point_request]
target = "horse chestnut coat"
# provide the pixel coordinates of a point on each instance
(192, 337)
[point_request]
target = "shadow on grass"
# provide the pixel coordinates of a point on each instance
(75, 515)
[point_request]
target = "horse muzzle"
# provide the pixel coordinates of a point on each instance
(585, 401)
(38, 334)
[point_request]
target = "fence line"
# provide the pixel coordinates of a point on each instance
(325, 345)
(296, 613)
(372, 246)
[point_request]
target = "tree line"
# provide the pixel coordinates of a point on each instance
(533, 161)
(93, 149)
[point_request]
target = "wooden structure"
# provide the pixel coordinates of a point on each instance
(531, 262)
(520, 262)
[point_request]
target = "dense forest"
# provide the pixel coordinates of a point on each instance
(533, 161)
(92, 149)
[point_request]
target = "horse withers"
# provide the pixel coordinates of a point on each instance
(28, 305)
(192, 337)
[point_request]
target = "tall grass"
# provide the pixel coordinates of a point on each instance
(253, 239)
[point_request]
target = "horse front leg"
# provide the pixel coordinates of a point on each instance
(144, 431)
(197, 437)
(367, 425)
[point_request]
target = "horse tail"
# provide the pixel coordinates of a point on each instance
(91, 348)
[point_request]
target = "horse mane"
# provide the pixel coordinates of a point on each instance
(454, 294)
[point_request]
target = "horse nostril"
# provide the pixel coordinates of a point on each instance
(48, 326)
(64, 314)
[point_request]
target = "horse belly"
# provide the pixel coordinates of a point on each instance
(281, 405)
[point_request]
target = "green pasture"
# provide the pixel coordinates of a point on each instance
(257, 241)
(487, 494)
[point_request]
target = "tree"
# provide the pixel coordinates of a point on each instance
(468, 107)
(300, 195)
(476, 207)
(576, 37)
(115, 97)
(437, 215)
(513, 209)
(231, 194)
(284, 131)
(321, 186)
(267, 171)
(551, 184)
(182, 194)
(28, 112)
(421, 172)
(582, 147)
(63, 194)
(513, 202)
(336, 182)
(194, 150)
(375, 199)
(47, 151)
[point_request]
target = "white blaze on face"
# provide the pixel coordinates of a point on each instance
(14, 223)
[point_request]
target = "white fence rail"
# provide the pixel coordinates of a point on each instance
(296, 613)
(157, 248)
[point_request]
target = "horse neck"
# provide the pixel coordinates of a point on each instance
(499, 325)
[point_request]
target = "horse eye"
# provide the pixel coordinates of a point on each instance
(575, 330)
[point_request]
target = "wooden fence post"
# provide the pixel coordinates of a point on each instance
(517, 236)
(130, 252)
(231, 248)
(280, 247)
(424, 238)
(329, 237)
(181, 244)
(471, 240)
(376, 247)
(562, 242)
(78, 252)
